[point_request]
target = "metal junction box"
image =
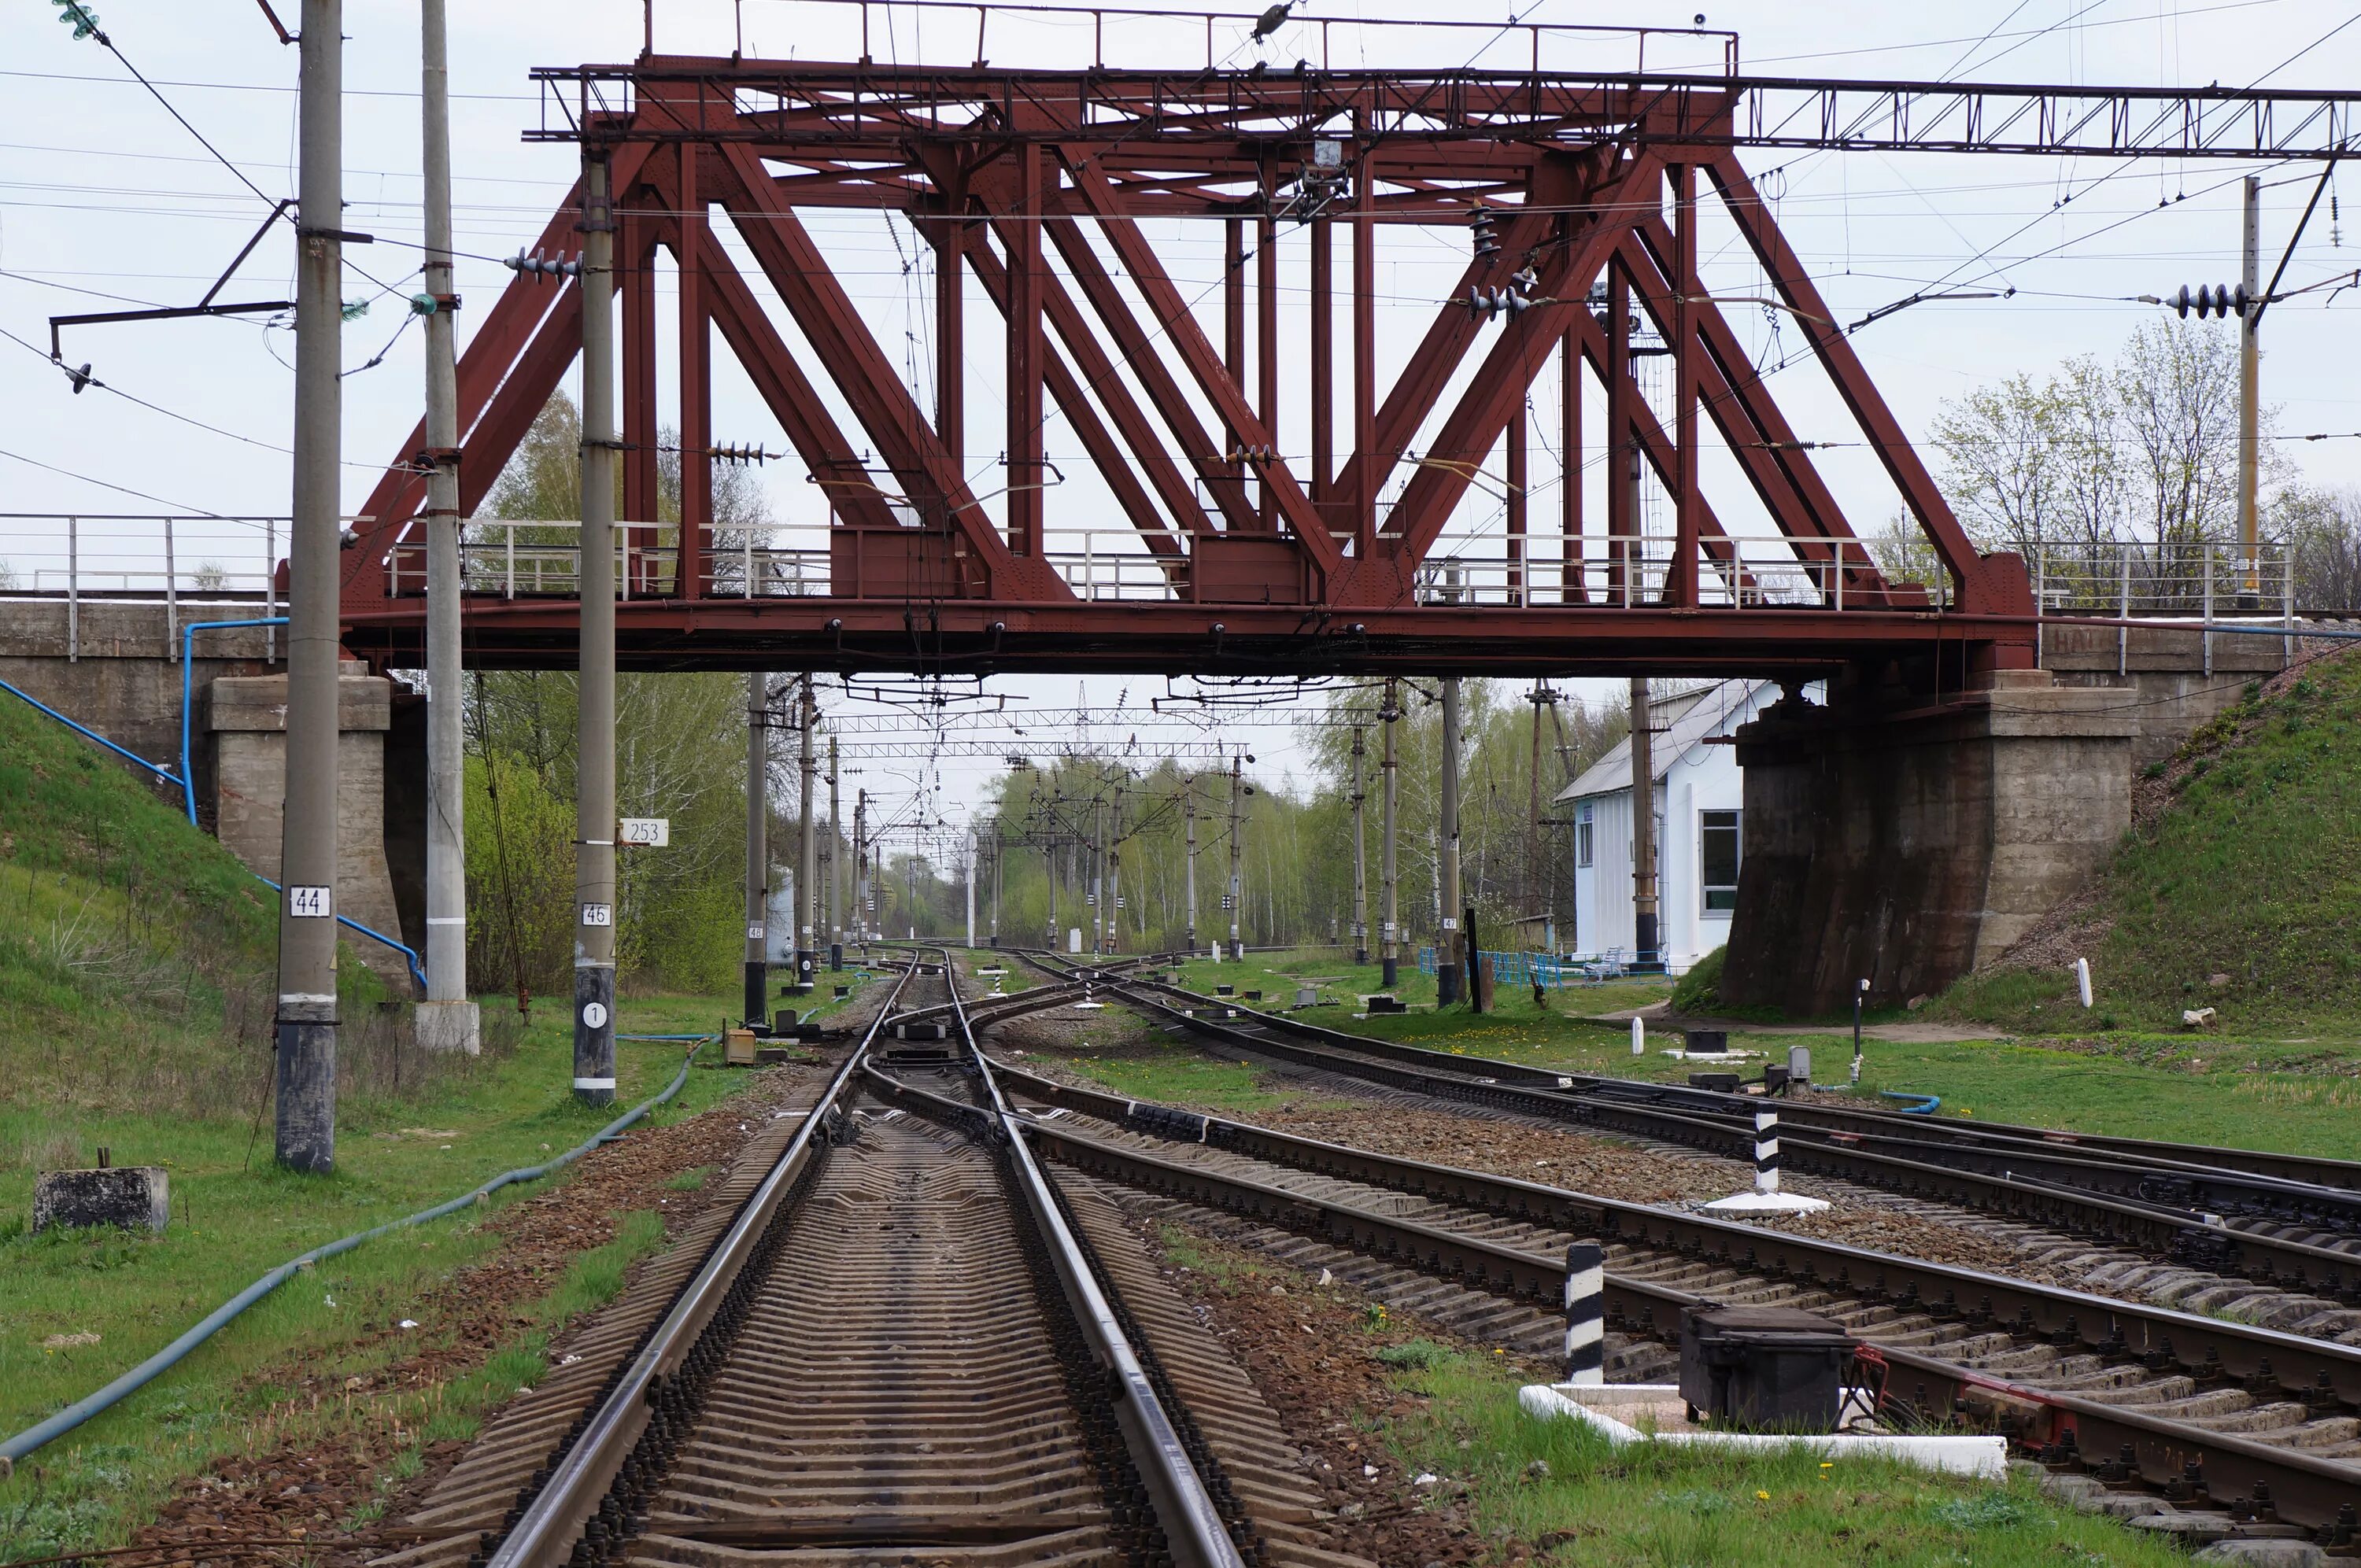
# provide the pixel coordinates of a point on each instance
(1763, 1368)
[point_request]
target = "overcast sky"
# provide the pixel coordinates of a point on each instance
(109, 202)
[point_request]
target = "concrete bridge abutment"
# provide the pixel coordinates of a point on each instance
(1906, 841)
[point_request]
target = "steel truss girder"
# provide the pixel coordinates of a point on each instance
(851, 101)
(1572, 170)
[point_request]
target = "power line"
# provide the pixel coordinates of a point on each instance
(104, 485)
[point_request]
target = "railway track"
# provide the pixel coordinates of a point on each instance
(2244, 1219)
(894, 1338)
(2226, 1428)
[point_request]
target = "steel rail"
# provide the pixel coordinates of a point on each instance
(2284, 1173)
(1194, 1531)
(2120, 1204)
(546, 1531)
(2311, 1491)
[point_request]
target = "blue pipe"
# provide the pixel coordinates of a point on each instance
(1927, 1104)
(188, 697)
(164, 774)
(139, 1376)
(187, 775)
(188, 793)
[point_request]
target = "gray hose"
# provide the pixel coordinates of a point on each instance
(80, 1410)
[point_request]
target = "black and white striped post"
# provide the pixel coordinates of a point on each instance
(1585, 1300)
(1766, 1151)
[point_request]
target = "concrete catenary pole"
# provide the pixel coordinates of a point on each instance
(594, 809)
(807, 878)
(999, 879)
(859, 846)
(835, 867)
(1643, 827)
(2250, 278)
(1188, 816)
(1360, 855)
(1446, 949)
(304, 1124)
(1389, 767)
(1114, 870)
(758, 847)
(1237, 845)
(447, 1019)
(1100, 890)
(969, 880)
(1049, 873)
(1538, 892)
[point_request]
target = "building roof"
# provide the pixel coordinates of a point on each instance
(1682, 722)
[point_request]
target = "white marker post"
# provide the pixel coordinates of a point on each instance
(1639, 1038)
(1766, 1198)
(2082, 982)
(1586, 1299)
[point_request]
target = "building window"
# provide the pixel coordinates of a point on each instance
(1718, 860)
(1581, 832)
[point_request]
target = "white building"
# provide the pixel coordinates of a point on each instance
(1699, 795)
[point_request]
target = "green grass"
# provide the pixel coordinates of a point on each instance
(2296, 1095)
(1649, 1505)
(234, 1215)
(2252, 874)
(135, 1015)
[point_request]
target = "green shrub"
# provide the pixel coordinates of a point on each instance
(1700, 991)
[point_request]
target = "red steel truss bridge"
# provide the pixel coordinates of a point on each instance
(1232, 534)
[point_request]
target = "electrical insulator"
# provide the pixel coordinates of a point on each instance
(536, 264)
(740, 456)
(79, 17)
(1525, 278)
(1494, 302)
(2218, 300)
(1487, 242)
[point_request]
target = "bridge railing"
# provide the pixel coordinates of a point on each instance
(2199, 582)
(1630, 571)
(171, 558)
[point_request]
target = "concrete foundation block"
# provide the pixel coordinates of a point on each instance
(448, 1027)
(136, 1197)
(1906, 842)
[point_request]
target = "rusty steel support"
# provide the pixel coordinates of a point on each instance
(1681, 581)
(950, 335)
(636, 280)
(1324, 364)
(1622, 447)
(692, 575)
(1266, 360)
(1024, 351)
(1977, 588)
(1137, 350)
(1361, 502)
(1575, 588)
(1518, 591)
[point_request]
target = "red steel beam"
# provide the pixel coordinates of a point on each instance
(695, 382)
(1475, 424)
(1026, 475)
(793, 400)
(636, 265)
(1156, 378)
(800, 273)
(1980, 591)
(1172, 314)
(1106, 451)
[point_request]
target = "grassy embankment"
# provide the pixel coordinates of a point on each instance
(135, 987)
